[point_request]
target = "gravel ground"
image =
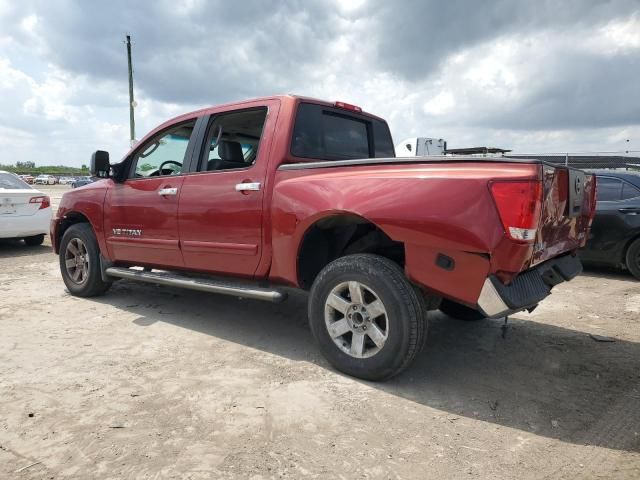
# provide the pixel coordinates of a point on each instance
(152, 382)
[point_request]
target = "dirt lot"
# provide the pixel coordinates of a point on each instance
(151, 382)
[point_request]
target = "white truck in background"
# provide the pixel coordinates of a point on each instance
(421, 147)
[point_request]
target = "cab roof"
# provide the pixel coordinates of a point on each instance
(284, 98)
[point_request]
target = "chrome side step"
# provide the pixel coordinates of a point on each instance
(224, 287)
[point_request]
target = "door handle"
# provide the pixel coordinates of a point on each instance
(630, 211)
(167, 191)
(248, 186)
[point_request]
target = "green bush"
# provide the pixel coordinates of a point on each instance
(26, 168)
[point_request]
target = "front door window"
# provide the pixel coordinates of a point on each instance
(165, 154)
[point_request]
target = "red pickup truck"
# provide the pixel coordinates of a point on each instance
(253, 198)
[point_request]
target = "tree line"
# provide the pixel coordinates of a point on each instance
(24, 168)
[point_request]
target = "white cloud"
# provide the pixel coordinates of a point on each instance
(441, 104)
(348, 6)
(621, 34)
(29, 23)
(49, 99)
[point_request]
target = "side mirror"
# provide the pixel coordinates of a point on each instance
(99, 166)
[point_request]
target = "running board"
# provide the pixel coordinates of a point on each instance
(224, 287)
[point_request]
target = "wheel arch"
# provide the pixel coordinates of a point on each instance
(632, 238)
(69, 219)
(336, 234)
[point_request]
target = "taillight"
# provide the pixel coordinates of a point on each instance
(519, 204)
(348, 106)
(43, 201)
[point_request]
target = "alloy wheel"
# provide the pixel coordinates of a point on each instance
(356, 319)
(77, 261)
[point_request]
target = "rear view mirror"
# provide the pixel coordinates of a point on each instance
(100, 164)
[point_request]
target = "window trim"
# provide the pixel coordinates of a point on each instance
(201, 159)
(131, 170)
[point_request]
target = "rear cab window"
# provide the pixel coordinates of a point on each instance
(328, 133)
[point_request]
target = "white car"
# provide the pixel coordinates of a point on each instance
(45, 180)
(24, 211)
(66, 180)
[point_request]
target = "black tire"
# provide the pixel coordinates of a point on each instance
(35, 240)
(460, 312)
(633, 258)
(404, 318)
(91, 284)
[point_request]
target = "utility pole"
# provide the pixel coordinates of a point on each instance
(132, 122)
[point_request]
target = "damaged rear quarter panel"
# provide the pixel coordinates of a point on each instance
(432, 208)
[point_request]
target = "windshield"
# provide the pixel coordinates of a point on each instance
(9, 181)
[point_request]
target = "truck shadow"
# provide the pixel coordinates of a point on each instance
(535, 377)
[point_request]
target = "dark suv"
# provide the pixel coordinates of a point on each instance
(615, 232)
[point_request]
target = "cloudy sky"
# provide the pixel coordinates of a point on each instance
(534, 76)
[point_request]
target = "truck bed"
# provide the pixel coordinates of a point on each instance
(447, 202)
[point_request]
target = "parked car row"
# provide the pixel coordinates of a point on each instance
(53, 180)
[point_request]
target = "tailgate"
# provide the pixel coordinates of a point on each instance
(568, 204)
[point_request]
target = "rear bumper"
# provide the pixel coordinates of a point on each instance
(528, 288)
(25, 225)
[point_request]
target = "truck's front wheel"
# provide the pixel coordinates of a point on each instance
(80, 262)
(366, 316)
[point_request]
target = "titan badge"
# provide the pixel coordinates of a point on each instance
(129, 232)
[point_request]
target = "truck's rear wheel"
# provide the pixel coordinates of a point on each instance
(366, 316)
(460, 312)
(80, 262)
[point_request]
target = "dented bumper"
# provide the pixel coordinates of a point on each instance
(527, 289)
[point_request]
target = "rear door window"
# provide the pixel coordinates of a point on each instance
(609, 189)
(233, 139)
(629, 191)
(327, 133)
